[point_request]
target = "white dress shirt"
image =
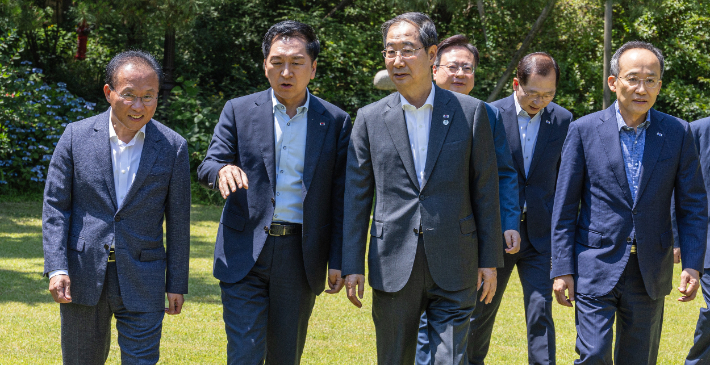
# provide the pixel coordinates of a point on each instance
(125, 158)
(528, 128)
(290, 156)
(418, 127)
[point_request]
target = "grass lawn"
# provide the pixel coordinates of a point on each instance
(339, 333)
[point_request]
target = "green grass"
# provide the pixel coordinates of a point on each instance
(339, 333)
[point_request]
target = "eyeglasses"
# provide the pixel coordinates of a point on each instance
(537, 96)
(406, 52)
(634, 81)
(453, 68)
(148, 100)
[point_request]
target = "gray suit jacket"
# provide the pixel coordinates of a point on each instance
(457, 206)
(80, 217)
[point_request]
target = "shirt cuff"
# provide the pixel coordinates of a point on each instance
(58, 272)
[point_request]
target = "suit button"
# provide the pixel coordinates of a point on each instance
(416, 231)
(211, 185)
(422, 197)
(273, 201)
(526, 185)
(266, 229)
(117, 218)
(634, 211)
(106, 247)
(628, 239)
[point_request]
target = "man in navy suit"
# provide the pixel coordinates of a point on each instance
(700, 352)
(114, 179)
(278, 157)
(614, 253)
(454, 69)
(536, 128)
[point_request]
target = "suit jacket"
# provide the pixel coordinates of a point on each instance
(457, 205)
(701, 135)
(538, 188)
(507, 176)
(244, 137)
(595, 244)
(80, 216)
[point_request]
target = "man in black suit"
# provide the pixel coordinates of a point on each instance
(278, 158)
(536, 128)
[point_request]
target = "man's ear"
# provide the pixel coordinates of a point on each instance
(431, 52)
(107, 93)
(611, 81)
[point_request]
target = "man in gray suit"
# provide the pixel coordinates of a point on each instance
(427, 156)
(112, 181)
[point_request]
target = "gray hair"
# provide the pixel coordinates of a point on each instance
(426, 27)
(614, 64)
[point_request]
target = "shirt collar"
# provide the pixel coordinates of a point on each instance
(282, 108)
(620, 120)
(429, 100)
(112, 134)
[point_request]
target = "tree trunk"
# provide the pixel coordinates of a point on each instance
(521, 51)
(607, 51)
(482, 15)
(338, 7)
(168, 64)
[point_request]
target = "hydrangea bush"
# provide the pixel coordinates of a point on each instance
(33, 116)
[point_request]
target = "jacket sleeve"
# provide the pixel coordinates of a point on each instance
(57, 206)
(507, 175)
(177, 224)
(691, 206)
(484, 195)
(359, 191)
(223, 149)
(338, 195)
(570, 182)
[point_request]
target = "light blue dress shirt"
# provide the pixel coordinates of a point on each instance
(290, 157)
(528, 128)
(633, 144)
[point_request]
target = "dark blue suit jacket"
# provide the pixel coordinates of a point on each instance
(244, 137)
(507, 176)
(595, 244)
(538, 188)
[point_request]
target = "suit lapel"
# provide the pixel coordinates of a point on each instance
(397, 127)
(609, 137)
(148, 156)
(102, 146)
(263, 123)
(438, 130)
(543, 135)
(652, 149)
(317, 128)
(510, 122)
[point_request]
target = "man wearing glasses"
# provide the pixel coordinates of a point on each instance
(536, 128)
(113, 180)
(456, 61)
(427, 157)
(614, 253)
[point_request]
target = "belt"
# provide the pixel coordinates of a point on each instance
(633, 248)
(419, 232)
(523, 216)
(112, 255)
(280, 229)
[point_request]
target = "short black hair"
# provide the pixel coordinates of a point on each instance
(136, 57)
(458, 40)
(292, 28)
(614, 63)
(539, 63)
(424, 24)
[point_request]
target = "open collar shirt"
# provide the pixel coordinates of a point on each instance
(633, 143)
(418, 127)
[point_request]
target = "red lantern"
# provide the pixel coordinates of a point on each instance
(82, 32)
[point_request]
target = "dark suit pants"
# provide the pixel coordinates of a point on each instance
(86, 330)
(638, 322)
(699, 354)
(534, 273)
(396, 317)
(266, 313)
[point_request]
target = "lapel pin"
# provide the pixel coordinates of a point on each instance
(322, 123)
(548, 122)
(446, 121)
(446, 116)
(660, 134)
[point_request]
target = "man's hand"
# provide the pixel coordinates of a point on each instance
(689, 283)
(232, 178)
(562, 283)
(489, 278)
(175, 302)
(512, 240)
(335, 281)
(59, 287)
(353, 281)
(676, 255)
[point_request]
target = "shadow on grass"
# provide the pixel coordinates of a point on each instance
(23, 287)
